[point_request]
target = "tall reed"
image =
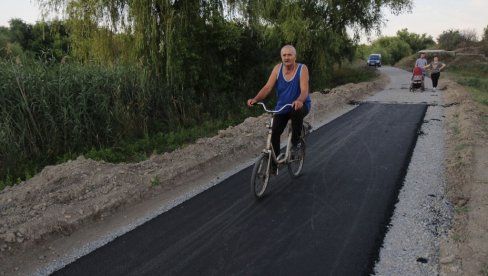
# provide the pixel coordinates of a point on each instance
(47, 110)
(50, 110)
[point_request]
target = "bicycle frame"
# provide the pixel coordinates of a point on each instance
(280, 159)
(262, 168)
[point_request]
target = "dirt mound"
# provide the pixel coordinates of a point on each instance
(471, 50)
(62, 198)
(468, 60)
(465, 252)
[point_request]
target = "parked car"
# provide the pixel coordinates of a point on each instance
(374, 60)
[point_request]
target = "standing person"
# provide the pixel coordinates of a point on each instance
(436, 66)
(291, 81)
(421, 62)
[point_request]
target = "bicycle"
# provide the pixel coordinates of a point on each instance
(263, 167)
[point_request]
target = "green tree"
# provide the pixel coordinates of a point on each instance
(45, 40)
(4, 39)
(319, 28)
(162, 27)
(392, 49)
(415, 41)
(469, 37)
(450, 39)
(20, 32)
(50, 40)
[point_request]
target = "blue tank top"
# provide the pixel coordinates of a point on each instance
(288, 91)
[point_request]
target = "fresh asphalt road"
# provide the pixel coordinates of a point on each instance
(329, 221)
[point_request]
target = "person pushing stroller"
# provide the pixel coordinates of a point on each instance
(418, 74)
(421, 62)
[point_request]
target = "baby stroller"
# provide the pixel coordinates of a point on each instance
(417, 80)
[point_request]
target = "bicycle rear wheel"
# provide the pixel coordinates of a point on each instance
(260, 175)
(295, 164)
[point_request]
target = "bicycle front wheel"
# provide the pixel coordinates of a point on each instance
(295, 164)
(260, 175)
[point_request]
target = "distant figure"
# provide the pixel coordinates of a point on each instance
(421, 62)
(436, 66)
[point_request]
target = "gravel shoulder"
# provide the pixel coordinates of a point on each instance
(440, 224)
(423, 212)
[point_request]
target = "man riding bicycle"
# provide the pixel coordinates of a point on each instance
(291, 80)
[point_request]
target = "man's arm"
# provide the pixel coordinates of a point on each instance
(264, 92)
(303, 88)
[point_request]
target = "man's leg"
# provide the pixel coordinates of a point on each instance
(279, 124)
(297, 123)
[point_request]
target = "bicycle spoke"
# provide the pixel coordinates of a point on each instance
(260, 176)
(295, 165)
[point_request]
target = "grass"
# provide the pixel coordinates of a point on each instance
(140, 149)
(456, 130)
(352, 74)
(348, 72)
(472, 74)
(484, 119)
(484, 270)
(456, 237)
(461, 147)
(461, 209)
(480, 95)
(155, 181)
(135, 150)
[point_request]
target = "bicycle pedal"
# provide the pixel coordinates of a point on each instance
(280, 157)
(274, 170)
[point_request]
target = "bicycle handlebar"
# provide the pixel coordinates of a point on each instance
(273, 111)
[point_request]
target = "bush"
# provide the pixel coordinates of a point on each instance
(349, 74)
(392, 49)
(449, 40)
(415, 41)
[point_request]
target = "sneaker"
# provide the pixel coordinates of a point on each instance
(295, 151)
(433, 89)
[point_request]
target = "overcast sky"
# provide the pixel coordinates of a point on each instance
(436, 16)
(428, 16)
